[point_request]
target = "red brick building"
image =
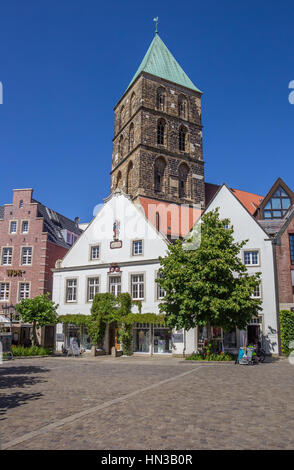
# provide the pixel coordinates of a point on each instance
(32, 238)
(276, 215)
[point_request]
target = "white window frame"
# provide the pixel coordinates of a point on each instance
(10, 223)
(134, 244)
(4, 291)
(26, 258)
(251, 257)
(71, 288)
(96, 287)
(25, 292)
(22, 224)
(117, 290)
(259, 296)
(93, 247)
(137, 285)
(7, 257)
(158, 288)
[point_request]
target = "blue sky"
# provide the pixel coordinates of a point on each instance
(64, 65)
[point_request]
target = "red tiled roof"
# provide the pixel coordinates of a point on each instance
(175, 220)
(249, 200)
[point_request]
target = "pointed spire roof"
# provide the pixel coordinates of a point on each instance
(160, 62)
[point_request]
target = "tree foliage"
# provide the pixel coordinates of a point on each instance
(102, 311)
(40, 311)
(287, 331)
(208, 285)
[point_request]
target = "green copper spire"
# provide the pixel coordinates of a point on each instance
(160, 62)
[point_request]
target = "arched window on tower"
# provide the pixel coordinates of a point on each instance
(183, 180)
(121, 146)
(183, 107)
(161, 132)
(159, 174)
(131, 137)
(119, 180)
(132, 104)
(182, 138)
(130, 178)
(160, 99)
(121, 116)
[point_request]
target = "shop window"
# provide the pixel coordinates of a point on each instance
(141, 337)
(161, 340)
(230, 339)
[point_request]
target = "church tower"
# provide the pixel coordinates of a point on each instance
(157, 144)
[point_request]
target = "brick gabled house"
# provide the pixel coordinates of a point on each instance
(276, 216)
(32, 238)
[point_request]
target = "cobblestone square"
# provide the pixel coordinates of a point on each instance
(145, 403)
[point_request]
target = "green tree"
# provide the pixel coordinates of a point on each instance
(102, 312)
(40, 311)
(208, 285)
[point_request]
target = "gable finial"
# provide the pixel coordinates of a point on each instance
(156, 24)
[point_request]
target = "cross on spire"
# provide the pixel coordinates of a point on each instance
(156, 24)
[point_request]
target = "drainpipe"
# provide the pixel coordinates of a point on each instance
(274, 245)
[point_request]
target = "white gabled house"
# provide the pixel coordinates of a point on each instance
(257, 255)
(118, 252)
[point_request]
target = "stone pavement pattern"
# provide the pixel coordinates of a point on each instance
(214, 406)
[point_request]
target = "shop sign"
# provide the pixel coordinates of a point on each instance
(178, 338)
(115, 244)
(14, 272)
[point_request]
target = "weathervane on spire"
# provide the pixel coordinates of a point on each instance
(156, 24)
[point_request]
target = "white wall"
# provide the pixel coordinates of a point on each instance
(246, 227)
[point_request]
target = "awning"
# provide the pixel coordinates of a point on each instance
(3, 319)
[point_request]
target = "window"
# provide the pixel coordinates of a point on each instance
(6, 256)
(95, 252)
(160, 131)
(93, 287)
(26, 255)
(24, 290)
(71, 290)
(4, 290)
(182, 139)
(13, 226)
(257, 292)
(183, 107)
(20, 203)
(159, 174)
(131, 137)
(137, 286)
(132, 104)
(160, 99)
(278, 205)
(251, 258)
(183, 178)
(160, 291)
(115, 285)
(137, 247)
(121, 146)
(24, 226)
(157, 221)
(130, 178)
(291, 242)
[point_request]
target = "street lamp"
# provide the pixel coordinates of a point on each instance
(9, 310)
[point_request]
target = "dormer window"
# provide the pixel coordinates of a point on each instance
(278, 205)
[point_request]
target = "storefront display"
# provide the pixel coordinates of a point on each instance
(142, 337)
(162, 341)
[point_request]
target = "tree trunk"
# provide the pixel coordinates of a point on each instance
(35, 341)
(208, 329)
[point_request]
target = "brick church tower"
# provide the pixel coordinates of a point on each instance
(157, 144)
